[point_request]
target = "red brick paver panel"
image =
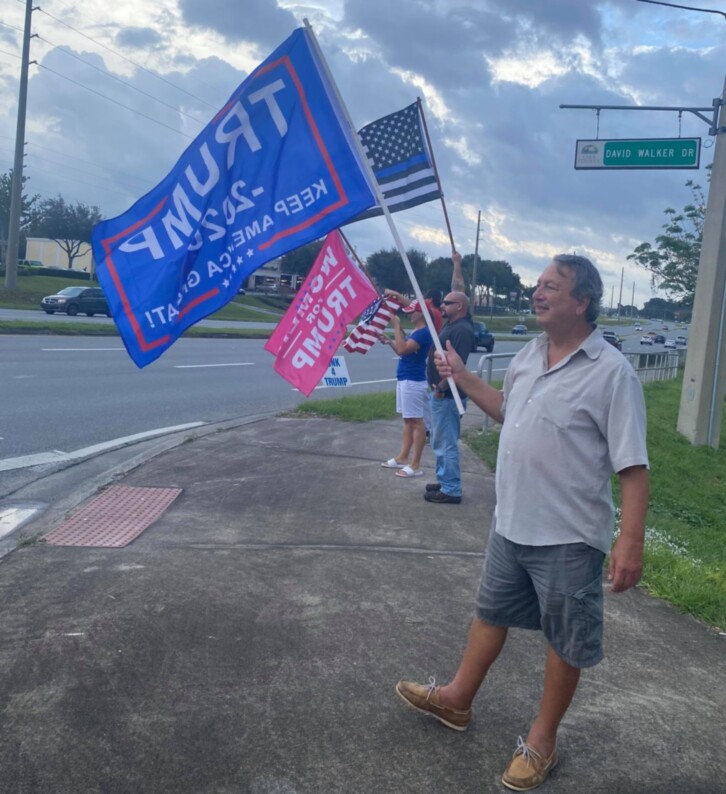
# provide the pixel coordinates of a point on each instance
(114, 518)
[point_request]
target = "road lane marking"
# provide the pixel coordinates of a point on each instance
(77, 349)
(57, 456)
(200, 366)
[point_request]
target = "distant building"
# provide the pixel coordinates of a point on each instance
(41, 249)
(268, 278)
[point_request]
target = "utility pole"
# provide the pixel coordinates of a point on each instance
(699, 417)
(476, 259)
(16, 189)
(620, 299)
(612, 293)
(632, 302)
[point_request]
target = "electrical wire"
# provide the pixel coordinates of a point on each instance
(78, 181)
(105, 72)
(120, 104)
(128, 60)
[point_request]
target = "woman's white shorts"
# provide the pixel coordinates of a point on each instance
(411, 397)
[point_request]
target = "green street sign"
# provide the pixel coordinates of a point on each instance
(647, 153)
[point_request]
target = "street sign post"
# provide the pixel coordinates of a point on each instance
(646, 153)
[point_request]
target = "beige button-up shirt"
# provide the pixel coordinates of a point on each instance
(566, 430)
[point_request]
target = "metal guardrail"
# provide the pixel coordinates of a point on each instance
(655, 366)
(648, 366)
(487, 360)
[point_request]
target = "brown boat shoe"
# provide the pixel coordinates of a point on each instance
(425, 698)
(527, 769)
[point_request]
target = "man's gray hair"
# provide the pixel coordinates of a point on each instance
(587, 281)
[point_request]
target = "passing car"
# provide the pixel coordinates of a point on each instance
(646, 340)
(77, 300)
(520, 328)
(659, 339)
(613, 339)
(484, 337)
(638, 327)
(670, 343)
(681, 340)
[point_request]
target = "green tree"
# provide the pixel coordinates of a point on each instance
(27, 210)
(438, 275)
(673, 261)
(70, 225)
(299, 261)
(386, 269)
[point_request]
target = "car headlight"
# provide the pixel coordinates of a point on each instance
(62, 300)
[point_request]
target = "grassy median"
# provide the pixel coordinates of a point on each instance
(685, 555)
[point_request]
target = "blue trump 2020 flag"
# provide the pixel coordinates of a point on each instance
(276, 168)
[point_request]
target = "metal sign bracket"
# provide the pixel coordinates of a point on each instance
(713, 128)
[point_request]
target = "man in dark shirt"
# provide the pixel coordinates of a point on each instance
(445, 415)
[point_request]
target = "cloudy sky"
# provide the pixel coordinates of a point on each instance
(119, 90)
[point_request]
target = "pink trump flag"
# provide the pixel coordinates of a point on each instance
(335, 292)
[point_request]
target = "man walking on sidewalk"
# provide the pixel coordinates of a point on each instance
(572, 413)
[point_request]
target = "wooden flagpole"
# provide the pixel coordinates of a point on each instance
(436, 170)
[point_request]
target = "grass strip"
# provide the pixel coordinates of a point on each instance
(685, 548)
(356, 408)
(108, 329)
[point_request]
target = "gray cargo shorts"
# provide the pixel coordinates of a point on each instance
(557, 589)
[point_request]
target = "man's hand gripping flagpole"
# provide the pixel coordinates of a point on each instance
(389, 219)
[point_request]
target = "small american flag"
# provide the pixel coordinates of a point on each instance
(372, 322)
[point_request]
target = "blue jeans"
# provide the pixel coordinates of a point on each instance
(446, 424)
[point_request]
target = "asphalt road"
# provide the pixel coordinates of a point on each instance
(65, 394)
(39, 316)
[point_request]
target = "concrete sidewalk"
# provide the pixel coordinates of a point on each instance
(250, 641)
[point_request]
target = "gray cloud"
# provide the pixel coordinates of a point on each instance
(259, 21)
(138, 38)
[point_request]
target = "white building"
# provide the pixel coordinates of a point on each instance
(41, 249)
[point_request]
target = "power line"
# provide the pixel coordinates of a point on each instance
(120, 104)
(11, 54)
(105, 72)
(78, 181)
(12, 27)
(32, 146)
(128, 60)
(34, 157)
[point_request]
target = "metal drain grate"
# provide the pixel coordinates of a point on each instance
(114, 518)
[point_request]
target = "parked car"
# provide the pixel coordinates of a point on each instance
(646, 340)
(681, 340)
(520, 328)
(659, 339)
(638, 327)
(670, 343)
(77, 300)
(613, 339)
(241, 291)
(666, 328)
(484, 337)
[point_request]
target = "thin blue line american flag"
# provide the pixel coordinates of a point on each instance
(402, 164)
